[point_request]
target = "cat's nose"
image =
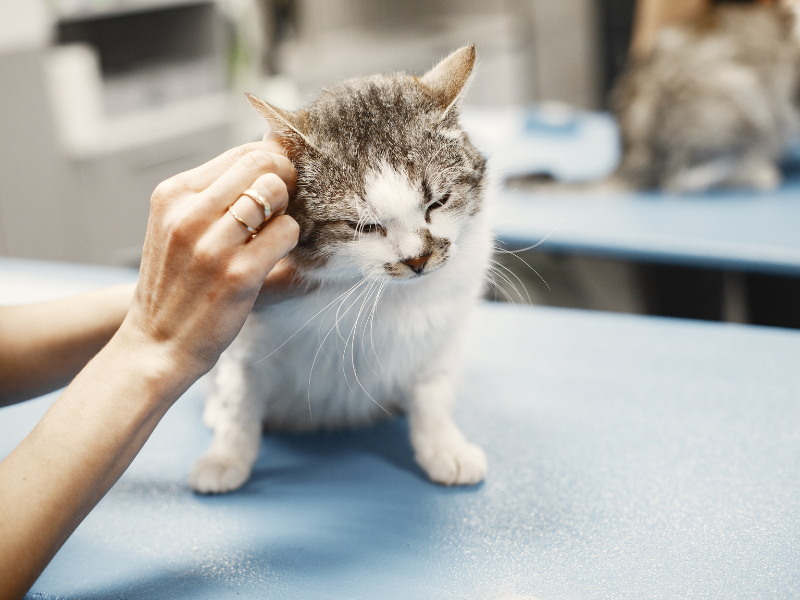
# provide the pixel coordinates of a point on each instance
(417, 264)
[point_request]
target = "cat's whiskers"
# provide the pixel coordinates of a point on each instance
(498, 249)
(502, 266)
(352, 356)
(494, 272)
(364, 330)
(541, 241)
(488, 276)
(497, 287)
(513, 287)
(334, 326)
(371, 321)
(367, 277)
(515, 255)
(326, 307)
(353, 330)
(514, 252)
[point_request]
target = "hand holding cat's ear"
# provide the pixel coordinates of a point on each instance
(200, 178)
(201, 272)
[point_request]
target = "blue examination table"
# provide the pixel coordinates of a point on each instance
(630, 458)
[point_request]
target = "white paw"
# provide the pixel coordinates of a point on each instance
(766, 178)
(456, 464)
(214, 474)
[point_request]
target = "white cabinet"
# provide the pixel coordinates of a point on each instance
(92, 121)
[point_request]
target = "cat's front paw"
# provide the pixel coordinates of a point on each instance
(456, 464)
(215, 474)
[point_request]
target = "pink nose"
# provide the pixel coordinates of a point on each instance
(417, 264)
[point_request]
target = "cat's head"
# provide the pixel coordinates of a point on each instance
(387, 179)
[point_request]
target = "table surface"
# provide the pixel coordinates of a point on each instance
(733, 229)
(630, 457)
(727, 229)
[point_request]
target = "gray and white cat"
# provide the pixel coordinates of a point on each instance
(395, 239)
(714, 103)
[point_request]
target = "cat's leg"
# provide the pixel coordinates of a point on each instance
(440, 448)
(698, 177)
(236, 421)
(757, 172)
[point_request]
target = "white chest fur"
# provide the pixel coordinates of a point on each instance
(348, 356)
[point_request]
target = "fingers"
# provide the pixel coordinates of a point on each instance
(200, 178)
(271, 244)
(273, 189)
(275, 241)
(241, 175)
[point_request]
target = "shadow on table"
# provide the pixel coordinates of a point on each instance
(387, 441)
(321, 511)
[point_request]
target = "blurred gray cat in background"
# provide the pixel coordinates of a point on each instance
(715, 102)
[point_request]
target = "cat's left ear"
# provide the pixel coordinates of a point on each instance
(286, 125)
(446, 80)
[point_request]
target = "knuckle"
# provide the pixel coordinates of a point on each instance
(181, 230)
(259, 161)
(204, 257)
(166, 190)
(177, 233)
(274, 185)
(241, 151)
(237, 276)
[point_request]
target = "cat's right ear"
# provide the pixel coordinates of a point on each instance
(284, 124)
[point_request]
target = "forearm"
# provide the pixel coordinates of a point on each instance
(51, 481)
(201, 272)
(43, 346)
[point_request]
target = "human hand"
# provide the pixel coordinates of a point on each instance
(201, 270)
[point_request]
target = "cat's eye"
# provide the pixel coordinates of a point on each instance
(367, 227)
(438, 204)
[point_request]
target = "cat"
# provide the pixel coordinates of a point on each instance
(395, 242)
(714, 104)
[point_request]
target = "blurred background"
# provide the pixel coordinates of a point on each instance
(100, 100)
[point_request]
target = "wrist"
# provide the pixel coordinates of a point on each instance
(159, 362)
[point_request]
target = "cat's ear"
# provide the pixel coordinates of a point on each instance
(285, 124)
(446, 80)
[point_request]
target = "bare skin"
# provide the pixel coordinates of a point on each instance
(43, 346)
(200, 276)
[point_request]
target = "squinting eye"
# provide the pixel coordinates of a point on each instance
(438, 204)
(367, 227)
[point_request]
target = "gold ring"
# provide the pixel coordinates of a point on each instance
(259, 199)
(238, 218)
